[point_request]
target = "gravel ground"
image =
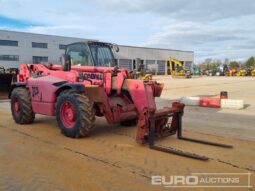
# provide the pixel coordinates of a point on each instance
(39, 157)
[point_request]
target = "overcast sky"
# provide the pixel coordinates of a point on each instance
(216, 29)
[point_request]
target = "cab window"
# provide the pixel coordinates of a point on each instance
(102, 55)
(80, 54)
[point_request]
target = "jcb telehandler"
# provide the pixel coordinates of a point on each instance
(89, 84)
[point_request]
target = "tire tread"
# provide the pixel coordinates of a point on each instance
(85, 114)
(28, 115)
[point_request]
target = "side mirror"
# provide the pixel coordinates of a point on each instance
(66, 62)
(115, 47)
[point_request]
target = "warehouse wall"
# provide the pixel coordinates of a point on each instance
(25, 51)
(132, 52)
(154, 59)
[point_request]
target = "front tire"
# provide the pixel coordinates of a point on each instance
(21, 106)
(74, 113)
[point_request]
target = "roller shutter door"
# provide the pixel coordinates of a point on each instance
(125, 63)
(161, 67)
(151, 66)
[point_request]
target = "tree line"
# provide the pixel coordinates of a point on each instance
(211, 64)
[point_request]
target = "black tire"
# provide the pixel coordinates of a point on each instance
(84, 114)
(128, 123)
(25, 115)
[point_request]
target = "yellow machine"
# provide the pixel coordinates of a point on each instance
(253, 72)
(232, 72)
(177, 69)
(141, 73)
(142, 76)
(241, 72)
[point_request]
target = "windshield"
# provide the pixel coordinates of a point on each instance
(79, 54)
(102, 55)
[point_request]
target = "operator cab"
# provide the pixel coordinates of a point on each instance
(90, 53)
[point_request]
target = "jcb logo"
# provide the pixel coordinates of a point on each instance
(35, 91)
(97, 76)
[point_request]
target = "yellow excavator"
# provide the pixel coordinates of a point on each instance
(176, 68)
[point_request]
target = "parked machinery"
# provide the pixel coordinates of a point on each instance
(196, 71)
(89, 84)
(232, 71)
(225, 71)
(141, 73)
(176, 68)
(250, 71)
(253, 72)
(241, 72)
(7, 77)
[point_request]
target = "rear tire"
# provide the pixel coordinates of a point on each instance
(74, 113)
(21, 106)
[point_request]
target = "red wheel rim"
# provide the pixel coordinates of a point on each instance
(16, 106)
(68, 114)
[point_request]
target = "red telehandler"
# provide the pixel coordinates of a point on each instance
(89, 84)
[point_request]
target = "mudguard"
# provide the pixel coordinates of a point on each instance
(15, 85)
(80, 88)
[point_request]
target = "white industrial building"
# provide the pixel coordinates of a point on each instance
(20, 47)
